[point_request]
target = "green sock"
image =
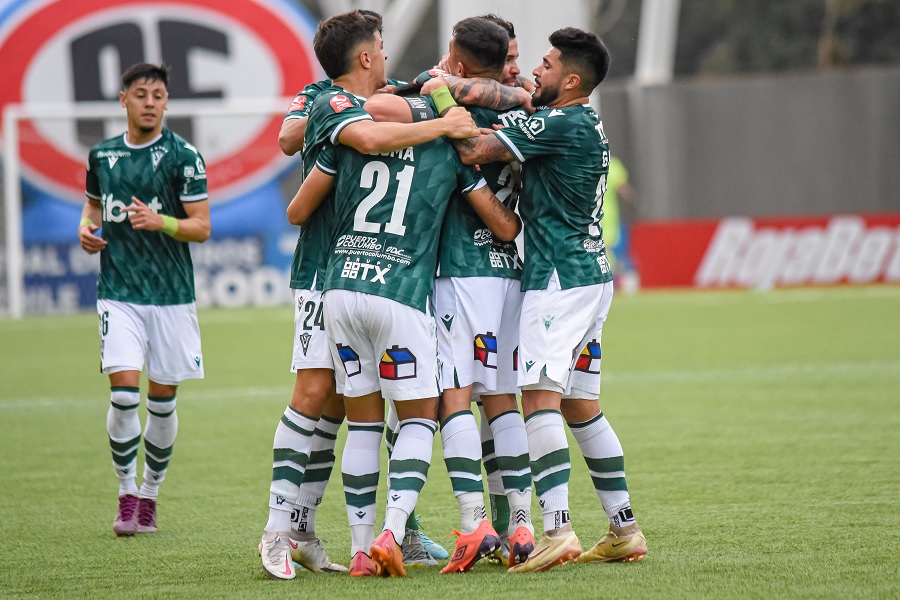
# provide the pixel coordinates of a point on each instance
(499, 513)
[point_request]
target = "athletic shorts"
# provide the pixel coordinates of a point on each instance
(312, 347)
(382, 345)
(559, 338)
(165, 338)
(478, 332)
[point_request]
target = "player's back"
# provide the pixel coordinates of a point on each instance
(389, 208)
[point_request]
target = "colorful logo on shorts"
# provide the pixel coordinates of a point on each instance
(350, 359)
(397, 363)
(589, 359)
(486, 349)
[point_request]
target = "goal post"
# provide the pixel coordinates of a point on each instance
(13, 301)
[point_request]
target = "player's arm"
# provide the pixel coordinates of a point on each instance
(314, 190)
(503, 222)
(91, 219)
(368, 136)
(485, 148)
(193, 228)
(290, 138)
(482, 92)
(388, 108)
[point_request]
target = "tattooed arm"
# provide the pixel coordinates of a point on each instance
(483, 92)
(482, 149)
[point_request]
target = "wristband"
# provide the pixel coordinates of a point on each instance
(442, 99)
(85, 221)
(170, 225)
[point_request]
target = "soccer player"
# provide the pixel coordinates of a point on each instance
(378, 284)
(568, 284)
(349, 47)
(477, 304)
(147, 190)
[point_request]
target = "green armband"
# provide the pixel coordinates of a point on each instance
(170, 225)
(85, 221)
(442, 99)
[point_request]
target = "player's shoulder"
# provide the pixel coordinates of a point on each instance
(173, 140)
(112, 143)
(335, 99)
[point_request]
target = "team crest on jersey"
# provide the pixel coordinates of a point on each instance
(340, 103)
(589, 359)
(298, 104)
(157, 154)
(304, 341)
(350, 359)
(397, 363)
(486, 349)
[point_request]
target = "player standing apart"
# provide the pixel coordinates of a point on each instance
(147, 190)
(568, 291)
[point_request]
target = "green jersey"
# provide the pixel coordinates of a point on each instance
(388, 213)
(303, 101)
(145, 267)
(565, 159)
(332, 110)
(468, 248)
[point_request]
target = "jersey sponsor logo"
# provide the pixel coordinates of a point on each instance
(340, 103)
(397, 363)
(556, 113)
(486, 349)
(532, 127)
(350, 359)
(298, 103)
(482, 237)
(113, 156)
(364, 271)
(589, 359)
(513, 117)
(52, 49)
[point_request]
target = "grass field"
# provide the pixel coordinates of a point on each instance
(761, 435)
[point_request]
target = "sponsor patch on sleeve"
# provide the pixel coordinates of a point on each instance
(340, 103)
(298, 104)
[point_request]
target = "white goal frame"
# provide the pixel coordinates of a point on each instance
(13, 114)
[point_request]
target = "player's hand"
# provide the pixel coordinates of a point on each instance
(432, 84)
(444, 65)
(141, 217)
(388, 89)
(90, 243)
(424, 76)
(459, 123)
(525, 83)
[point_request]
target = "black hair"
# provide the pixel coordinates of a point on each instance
(508, 26)
(584, 53)
(146, 71)
(337, 39)
(483, 42)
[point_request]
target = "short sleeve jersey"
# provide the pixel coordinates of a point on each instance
(388, 213)
(332, 110)
(565, 159)
(468, 248)
(145, 267)
(303, 101)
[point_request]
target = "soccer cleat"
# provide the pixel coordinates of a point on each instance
(386, 553)
(126, 522)
(311, 556)
(275, 552)
(500, 556)
(414, 553)
(613, 548)
(555, 548)
(434, 550)
(472, 547)
(146, 516)
(521, 545)
(362, 565)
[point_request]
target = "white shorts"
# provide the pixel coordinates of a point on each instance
(559, 338)
(382, 345)
(478, 332)
(312, 346)
(165, 338)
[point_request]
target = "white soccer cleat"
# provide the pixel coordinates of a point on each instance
(311, 556)
(275, 551)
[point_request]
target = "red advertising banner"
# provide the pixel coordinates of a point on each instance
(761, 253)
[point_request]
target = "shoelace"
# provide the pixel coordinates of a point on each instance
(145, 517)
(274, 548)
(127, 506)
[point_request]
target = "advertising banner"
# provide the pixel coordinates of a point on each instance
(762, 253)
(63, 51)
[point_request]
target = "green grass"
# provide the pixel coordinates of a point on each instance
(761, 435)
